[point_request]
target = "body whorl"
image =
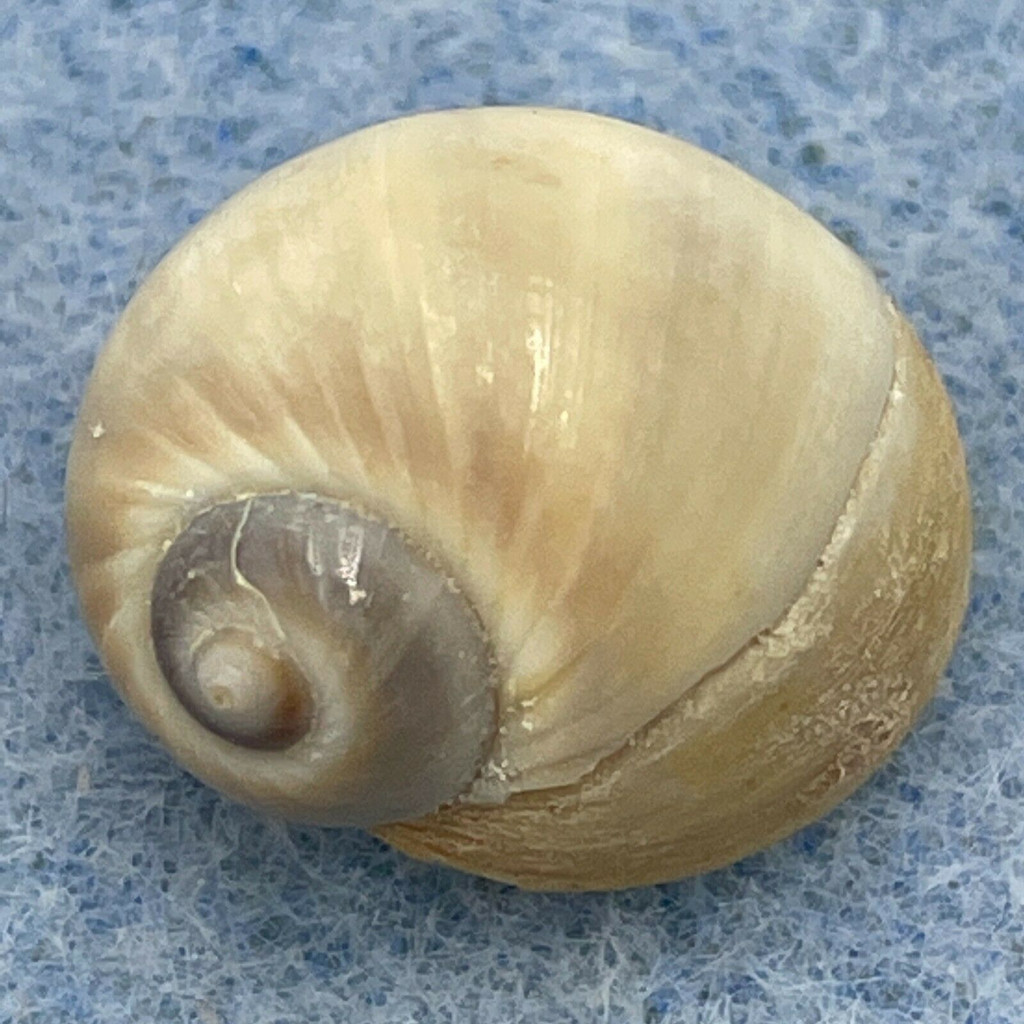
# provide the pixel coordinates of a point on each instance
(675, 497)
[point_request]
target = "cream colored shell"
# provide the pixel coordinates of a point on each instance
(686, 461)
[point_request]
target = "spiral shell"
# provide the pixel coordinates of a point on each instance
(537, 489)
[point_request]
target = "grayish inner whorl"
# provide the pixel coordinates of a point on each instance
(287, 619)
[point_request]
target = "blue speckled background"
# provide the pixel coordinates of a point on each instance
(129, 892)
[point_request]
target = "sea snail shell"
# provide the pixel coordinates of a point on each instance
(538, 490)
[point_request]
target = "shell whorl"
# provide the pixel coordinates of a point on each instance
(619, 391)
(285, 619)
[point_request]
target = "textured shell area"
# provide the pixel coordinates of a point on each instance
(619, 387)
(796, 720)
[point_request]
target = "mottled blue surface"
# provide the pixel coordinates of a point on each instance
(129, 892)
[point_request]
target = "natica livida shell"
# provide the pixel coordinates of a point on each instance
(537, 490)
